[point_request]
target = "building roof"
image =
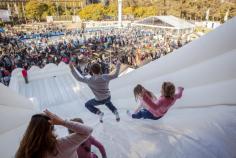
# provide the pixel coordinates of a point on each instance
(170, 22)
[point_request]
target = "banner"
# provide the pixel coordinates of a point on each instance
(5, 15)
(76, 19)
(49, 19)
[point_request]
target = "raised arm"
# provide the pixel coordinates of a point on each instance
(115, 75)
(72, 141)
(82, 132)
(99, 146)
(179, 92)
(77, 76)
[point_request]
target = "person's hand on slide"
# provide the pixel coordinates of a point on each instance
(54, 119)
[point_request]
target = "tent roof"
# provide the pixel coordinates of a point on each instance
(170, 21)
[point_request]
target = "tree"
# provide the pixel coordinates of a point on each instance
(92, 12)
(112, 10)
(52, 9)
(128, 11)
(150, 11)
(35, 9)
(139, 11)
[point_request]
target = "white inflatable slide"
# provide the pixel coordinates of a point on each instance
(201, 124)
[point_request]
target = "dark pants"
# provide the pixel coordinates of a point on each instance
(26, 80)
(90, 105)
(144, 114)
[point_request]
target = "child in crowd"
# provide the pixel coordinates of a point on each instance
(84, 150)
(99, 84)
(40, 141)
(156, 108)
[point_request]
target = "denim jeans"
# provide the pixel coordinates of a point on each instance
(144, 114)
(90, 105)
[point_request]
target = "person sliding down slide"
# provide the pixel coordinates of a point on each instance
(99, 84)
(141, 111)
(155, 108)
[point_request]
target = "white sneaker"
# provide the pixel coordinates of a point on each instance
(117, 116)
(101, 117)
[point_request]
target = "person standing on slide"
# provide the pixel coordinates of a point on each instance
(99, 84)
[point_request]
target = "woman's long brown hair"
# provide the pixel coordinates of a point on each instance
(38, 140)
(138, 89)
(168, 90)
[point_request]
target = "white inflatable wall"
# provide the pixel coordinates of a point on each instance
(15, 112)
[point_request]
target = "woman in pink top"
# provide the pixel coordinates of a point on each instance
(40, 141)
(168, 97)
(84, 150)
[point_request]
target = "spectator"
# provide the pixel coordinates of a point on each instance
(84, 150)
(39, 140)
(25, 75)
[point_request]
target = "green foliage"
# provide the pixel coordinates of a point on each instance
(35, 9)
(128, 11)
(139, 12)
(52, 9)
(93, 12)
(188, 9)
(112, 10)
(38, 10)
(68, 12)
(1, 23)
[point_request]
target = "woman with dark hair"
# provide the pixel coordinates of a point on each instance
(40, 141)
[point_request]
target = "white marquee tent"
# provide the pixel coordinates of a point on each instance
(170, 23)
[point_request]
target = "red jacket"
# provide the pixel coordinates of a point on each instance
(24, 73)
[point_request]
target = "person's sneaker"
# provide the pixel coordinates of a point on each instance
(117, 116)
(101, 114)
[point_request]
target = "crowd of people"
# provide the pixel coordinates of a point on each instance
(133, 46)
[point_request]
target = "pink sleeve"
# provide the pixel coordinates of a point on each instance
(99, 146)
(149, 102)
(179, 92)
(82, 132)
